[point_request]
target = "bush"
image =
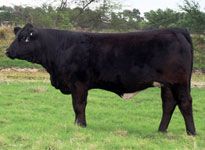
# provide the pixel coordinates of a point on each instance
(199, 51)
(4, 32)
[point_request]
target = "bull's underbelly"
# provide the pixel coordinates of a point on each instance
(130, 95)
(120, 89)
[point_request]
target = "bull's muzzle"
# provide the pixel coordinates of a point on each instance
(9, 54)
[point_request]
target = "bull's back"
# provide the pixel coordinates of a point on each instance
(143, 57)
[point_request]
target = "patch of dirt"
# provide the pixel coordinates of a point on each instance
(30, 74)
(198, 84)
(23, 75)
(122, 133)
(19, 70)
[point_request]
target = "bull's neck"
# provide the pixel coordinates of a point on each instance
(51, 41)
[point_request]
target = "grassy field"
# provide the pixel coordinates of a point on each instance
(33, 115)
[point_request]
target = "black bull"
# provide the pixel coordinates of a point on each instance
(117, 62)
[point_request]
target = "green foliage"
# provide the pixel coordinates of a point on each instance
(199, 50)
(108, 15)
(34, 115)
(162, 18)
(194, 19)
(89, 19)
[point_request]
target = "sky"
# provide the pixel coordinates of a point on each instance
(142, 5)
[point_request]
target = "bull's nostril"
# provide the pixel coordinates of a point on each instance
(9, 54)
(6, 53)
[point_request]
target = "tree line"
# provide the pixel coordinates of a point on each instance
(107, 16)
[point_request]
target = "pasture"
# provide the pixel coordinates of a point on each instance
(33, 115)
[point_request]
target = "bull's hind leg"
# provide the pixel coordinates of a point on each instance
(79, 99)
(184, 100)
(168, 106)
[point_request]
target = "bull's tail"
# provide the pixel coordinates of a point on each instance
(187, 36)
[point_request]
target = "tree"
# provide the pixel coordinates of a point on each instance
(132, 18)
(118, 23)
(89, 19)
(194, 19)
(6, 14)
(162, 18)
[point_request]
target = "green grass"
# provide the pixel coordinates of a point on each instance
(8, 63)
(33, 115)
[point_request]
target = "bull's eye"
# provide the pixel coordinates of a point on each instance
(23, 38)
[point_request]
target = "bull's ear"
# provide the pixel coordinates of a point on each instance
(28, 25)
(16, 29)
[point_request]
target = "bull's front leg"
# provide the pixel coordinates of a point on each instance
(79, 99)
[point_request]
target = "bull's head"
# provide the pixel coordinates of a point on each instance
(25, 45)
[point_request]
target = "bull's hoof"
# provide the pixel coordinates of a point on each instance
(162, 131)
(80, 124)
(191, 133)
